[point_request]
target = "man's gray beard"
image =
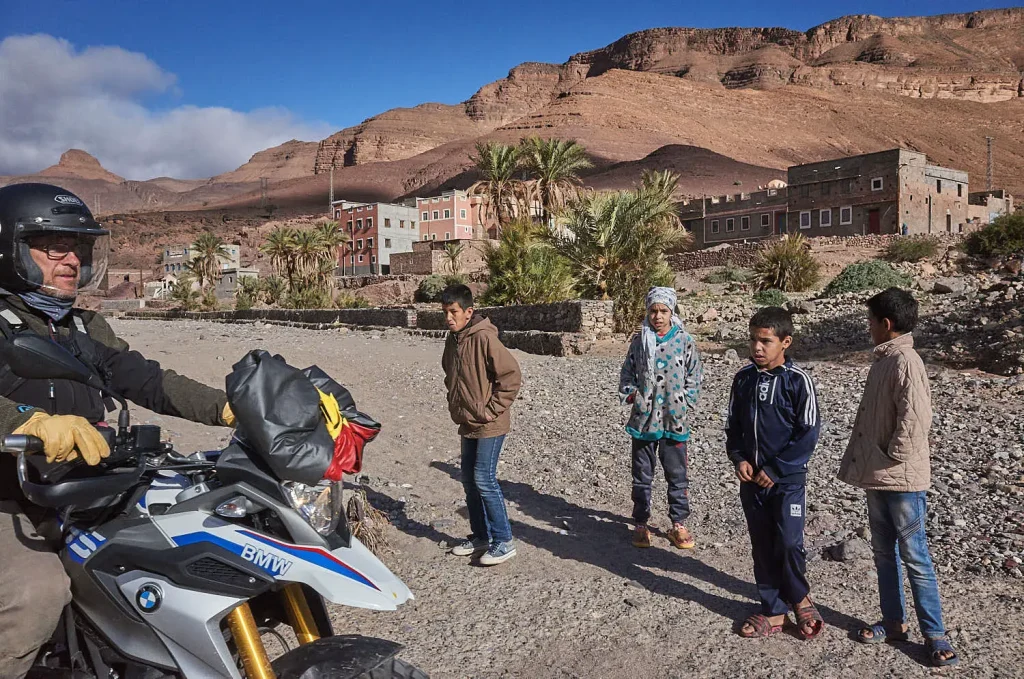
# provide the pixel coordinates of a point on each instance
(57, 293)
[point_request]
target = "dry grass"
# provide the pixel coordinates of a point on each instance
(369, 524)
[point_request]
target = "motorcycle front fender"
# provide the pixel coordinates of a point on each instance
(340, 657)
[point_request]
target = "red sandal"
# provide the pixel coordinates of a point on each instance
(761, 626)
(808, 614)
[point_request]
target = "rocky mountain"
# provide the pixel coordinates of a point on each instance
(718, 105)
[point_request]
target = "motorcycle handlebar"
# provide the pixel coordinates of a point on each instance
(21, 443)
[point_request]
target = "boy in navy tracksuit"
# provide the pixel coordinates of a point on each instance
(772, 430)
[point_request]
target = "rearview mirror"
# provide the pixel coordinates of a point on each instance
(34, 357)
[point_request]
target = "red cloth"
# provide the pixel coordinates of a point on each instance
(348, 450)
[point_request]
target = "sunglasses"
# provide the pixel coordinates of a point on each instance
(57, 250)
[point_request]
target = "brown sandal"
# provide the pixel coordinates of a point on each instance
(761, 626)
(808, 614)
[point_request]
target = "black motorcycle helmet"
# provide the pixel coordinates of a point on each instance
(31, 210)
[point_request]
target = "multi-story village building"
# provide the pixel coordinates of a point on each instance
(454, 215)
(176, 258)
(376, 231)
(890, 192)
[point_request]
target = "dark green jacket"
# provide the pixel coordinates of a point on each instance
(141, 381)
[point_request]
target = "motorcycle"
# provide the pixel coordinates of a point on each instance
(180, 564)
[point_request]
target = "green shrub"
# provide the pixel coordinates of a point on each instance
(786, 265)
(430, 288)
(1003, 237)
(308, 297)
(209, 300)
(771, 297)
(871, 275)
(455, 279)
(347, 301)
(524, 269)
(912, 249)
(272, 289)
(728, 274)
(243, 301)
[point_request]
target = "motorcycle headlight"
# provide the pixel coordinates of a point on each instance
(319, 505)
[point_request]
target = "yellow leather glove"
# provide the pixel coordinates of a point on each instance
(331, 411)
(226, 416)
(63, 434)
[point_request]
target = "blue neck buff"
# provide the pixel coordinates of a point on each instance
(53, 307)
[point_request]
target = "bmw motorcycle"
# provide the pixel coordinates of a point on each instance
(180, 565)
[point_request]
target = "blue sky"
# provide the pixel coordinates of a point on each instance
(316, 66)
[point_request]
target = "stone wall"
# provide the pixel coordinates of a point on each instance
(745, 255)
(356, 282)
(587, 317)
(430, 258)
(384, 317)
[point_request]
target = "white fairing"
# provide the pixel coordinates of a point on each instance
(352, 576)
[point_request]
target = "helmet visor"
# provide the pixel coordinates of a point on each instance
(62, 263)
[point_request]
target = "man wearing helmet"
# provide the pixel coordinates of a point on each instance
(51, 248)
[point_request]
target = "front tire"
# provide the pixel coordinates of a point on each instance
(395, 668)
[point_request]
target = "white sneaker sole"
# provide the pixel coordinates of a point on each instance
(488, 560)
(457, 551)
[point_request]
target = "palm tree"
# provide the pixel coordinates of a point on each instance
(615, 243)
(208, 251)
(308, 249)
(554, 166)
(503, 191)
(453, 253)
(524, 269)
(280, 248)
(332, 238)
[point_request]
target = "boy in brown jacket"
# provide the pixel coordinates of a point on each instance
(482, 379)
(888, 457)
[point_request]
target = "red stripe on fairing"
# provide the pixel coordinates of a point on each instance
(322, 553)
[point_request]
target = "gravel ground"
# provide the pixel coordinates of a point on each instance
(579, 601)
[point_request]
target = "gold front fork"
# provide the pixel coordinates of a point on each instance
(299, 615)
(249, 644)
(247, 636)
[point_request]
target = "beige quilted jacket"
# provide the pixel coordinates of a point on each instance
(888, 449)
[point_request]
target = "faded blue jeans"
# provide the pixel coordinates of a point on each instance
(486, 505)
(898, 534)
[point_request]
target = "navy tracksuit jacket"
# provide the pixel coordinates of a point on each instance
(774, 425)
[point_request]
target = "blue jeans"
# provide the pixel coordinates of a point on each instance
(898, 534)
(487, 516)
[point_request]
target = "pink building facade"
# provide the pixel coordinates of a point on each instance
(453, 215)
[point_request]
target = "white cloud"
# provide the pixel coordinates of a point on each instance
(54, 97)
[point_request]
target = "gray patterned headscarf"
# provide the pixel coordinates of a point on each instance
(666, 296)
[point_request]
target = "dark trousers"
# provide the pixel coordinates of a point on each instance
(775, 517)
(674, 461)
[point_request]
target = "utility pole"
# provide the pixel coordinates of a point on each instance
(988, 174)
(263, 193)
(330, 201)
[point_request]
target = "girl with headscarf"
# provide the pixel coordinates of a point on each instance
(661, 378)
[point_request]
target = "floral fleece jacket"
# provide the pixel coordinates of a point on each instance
(662, 400)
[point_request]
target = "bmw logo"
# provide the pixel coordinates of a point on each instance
(148, 598)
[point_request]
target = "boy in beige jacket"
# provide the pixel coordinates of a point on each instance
(888, 457)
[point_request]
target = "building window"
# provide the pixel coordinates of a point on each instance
(462, 214)
(435, 214)
(766, 220)
(877, 184)
(938, 186)
(845, 215)
(435, 199)
(825, 217)
(959, 190)
(359, 244)
(337, 214)
(387, 243)
(447, 235)
(349, 225)
(433, 236)
(373, 259)
(426, 216)
(412, 224)
(360, 259)
(387, 223)
(745, 223)
(805, 219)
(359, 209)
(447, 214)
(369, 243)
(369, 222)
(714, 226)
(730, 225)
(359, 223)
(772, 192)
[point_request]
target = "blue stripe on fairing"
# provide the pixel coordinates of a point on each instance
(312, 555)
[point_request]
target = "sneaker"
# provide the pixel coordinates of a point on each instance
(471, 547)
(500, 552)
(641, 536)
(680, 537)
